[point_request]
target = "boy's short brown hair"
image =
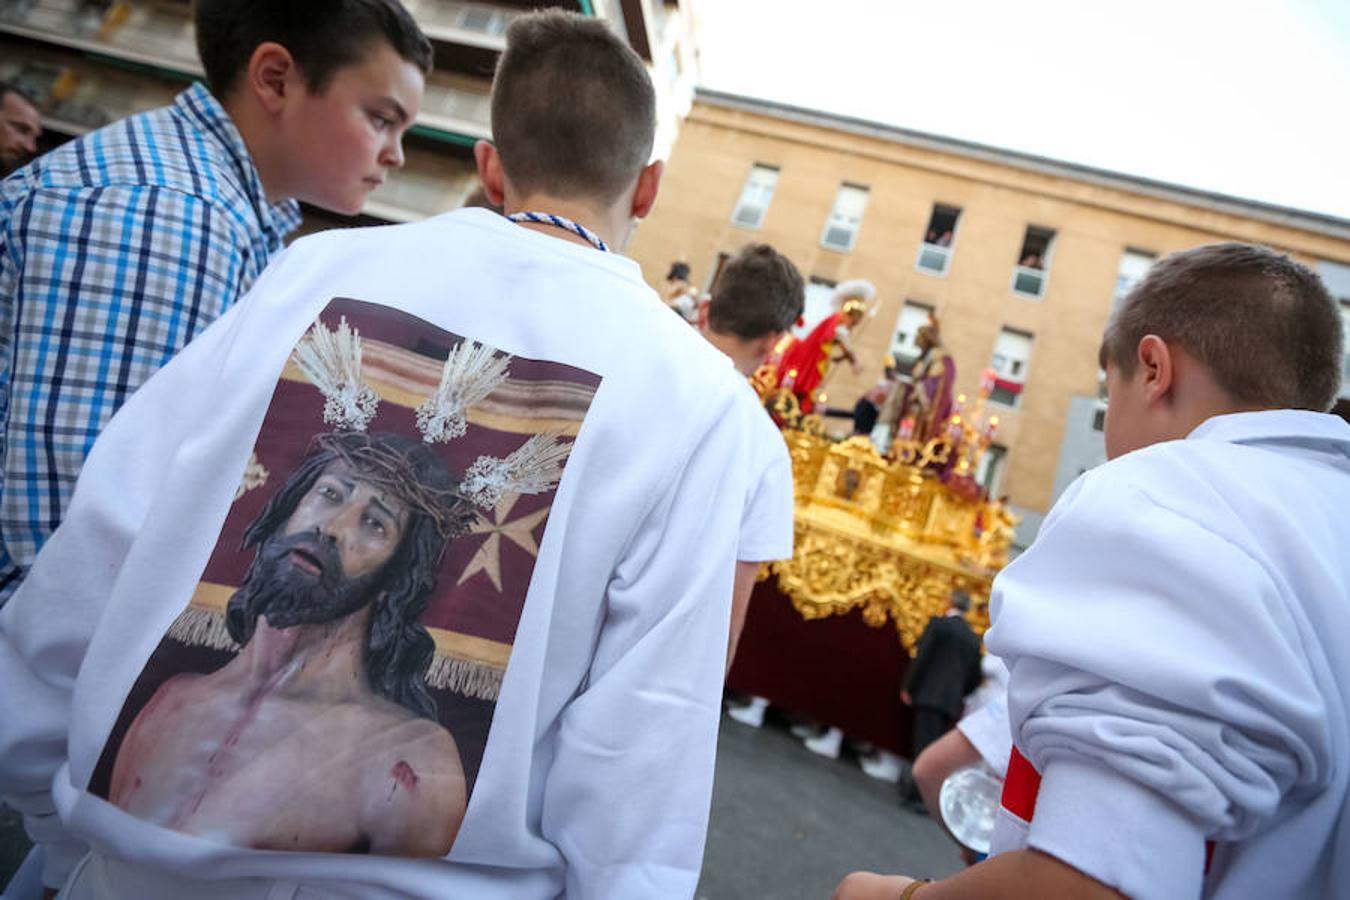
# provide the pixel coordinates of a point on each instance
(573, 110)
(1263, 324)
(758, 292)
(321, 35)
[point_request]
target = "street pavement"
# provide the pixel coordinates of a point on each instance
(786, 824)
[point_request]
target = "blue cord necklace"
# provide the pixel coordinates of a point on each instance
(580, 231)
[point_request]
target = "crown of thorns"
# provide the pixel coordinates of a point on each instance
(394, 471)
(331, 360)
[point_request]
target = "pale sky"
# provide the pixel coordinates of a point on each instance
(1239, 97)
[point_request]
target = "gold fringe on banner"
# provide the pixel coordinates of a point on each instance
(480, 679)
(199, 627)
(466, 677)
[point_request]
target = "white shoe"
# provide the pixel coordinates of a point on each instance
(752, 713)
(881, 764)
(827, 744)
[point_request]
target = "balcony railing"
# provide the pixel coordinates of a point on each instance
(838, 236)
(748, 215)
(1028, 281)
(933, 258)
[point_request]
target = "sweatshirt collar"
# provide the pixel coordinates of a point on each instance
(1274, 425)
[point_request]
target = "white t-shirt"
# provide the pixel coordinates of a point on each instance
(766, 526)
(985, 722)
(596, 763)
(1178, 663)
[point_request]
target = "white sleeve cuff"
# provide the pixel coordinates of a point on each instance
(1117, 831)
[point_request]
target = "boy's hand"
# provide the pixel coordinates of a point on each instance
(871, 886)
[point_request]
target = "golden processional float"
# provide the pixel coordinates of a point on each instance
(890, 534)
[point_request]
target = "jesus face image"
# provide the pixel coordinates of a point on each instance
(319, 734)
(329, 557)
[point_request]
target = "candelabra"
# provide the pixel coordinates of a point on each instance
(971, 427)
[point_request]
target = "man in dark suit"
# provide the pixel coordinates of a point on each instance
(946, 668)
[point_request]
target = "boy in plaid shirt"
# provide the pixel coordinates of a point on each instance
(120, 247)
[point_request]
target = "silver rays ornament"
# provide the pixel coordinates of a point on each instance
(471, 373)
(331, 360)
(535, 467)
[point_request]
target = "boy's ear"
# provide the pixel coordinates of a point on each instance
(1158, 363)
(270, 75)
(648, 182)
(490, 175)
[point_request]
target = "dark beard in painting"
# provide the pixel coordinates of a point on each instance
(288, 595)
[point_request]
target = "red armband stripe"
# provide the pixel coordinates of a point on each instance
(1023, 784)
(1021, 787)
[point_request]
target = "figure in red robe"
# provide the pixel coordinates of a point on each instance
(804, 363)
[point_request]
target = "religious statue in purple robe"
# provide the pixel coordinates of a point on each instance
(925, 405)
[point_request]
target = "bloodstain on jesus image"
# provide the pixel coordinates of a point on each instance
(321, 733)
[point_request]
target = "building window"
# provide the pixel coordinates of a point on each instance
(913, 316)
(819, 293)
(1008, 370)
(935, 252)
(1134, 265)
(484, 19)
(842, 228)
(1033, 262)
(755, 196)
(1099, 414)
(716, 271)
(989, 470)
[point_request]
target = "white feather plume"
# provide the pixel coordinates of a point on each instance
(331, 360)
(471, 372)
(532, 469)
(856, 289)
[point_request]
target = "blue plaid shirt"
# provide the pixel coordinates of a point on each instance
(115, 251)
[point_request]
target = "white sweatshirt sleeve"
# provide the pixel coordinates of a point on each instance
(1158, 684)
(628, 795)
(47, 625)
(766, 526)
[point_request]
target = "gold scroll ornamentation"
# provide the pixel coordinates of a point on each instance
(831, 574)
(887, 536)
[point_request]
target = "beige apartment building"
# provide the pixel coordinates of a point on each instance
(1020, 257)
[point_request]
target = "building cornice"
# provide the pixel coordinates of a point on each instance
(1327, 225)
